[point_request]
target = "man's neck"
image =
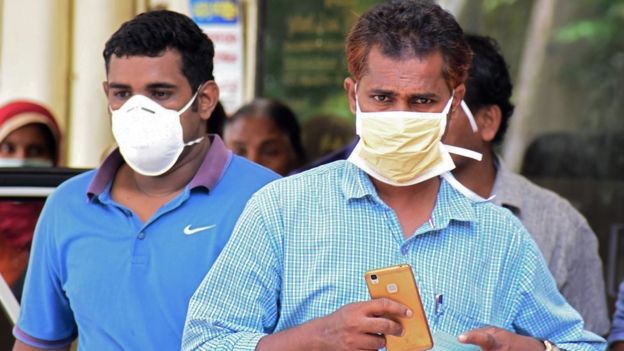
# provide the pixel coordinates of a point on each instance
(145, 195)
(396, 193)
(412, 204)
(478, 176)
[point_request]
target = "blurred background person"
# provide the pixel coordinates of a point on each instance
(29, 137)
(616, 337)
(266, 132)
(563, 235)
(323, 135)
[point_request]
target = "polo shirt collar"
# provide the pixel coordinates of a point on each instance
(210, 172)
(212, 168)
(507, 196)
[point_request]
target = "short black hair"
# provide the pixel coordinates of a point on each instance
(409, 27)
(152, 33)
(284, 118)
(489, 82)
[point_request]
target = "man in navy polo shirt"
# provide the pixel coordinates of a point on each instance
(118, 251)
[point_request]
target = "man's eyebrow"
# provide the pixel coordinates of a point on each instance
(381, 92)
(118, 86)
(424, 96)
(161, 86)
(150, 86)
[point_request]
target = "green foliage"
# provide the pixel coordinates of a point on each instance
(592, 29)
(492, 5)
(597, 30)
(593, 64)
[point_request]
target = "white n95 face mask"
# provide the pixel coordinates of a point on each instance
(149, 136)
(403, 148)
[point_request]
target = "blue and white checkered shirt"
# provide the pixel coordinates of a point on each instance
(301, 248)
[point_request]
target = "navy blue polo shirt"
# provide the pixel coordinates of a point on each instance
(97, 270)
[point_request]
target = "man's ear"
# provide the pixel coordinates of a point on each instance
(105, 87)
(207, 98)
(349, 86)
(488, 120)
(458, 96)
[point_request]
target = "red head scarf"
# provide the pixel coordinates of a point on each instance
(19, 113)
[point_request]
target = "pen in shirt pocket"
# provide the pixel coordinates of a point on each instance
(439, 306)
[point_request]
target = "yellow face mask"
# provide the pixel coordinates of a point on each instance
(403, 148)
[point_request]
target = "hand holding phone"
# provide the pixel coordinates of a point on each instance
(397, 283)
(354, 326)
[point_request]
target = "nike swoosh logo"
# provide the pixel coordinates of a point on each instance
(190, 231)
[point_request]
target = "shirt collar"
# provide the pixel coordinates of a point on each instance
(356, 183)
(506, 196)
(450, 203)
(208, 175)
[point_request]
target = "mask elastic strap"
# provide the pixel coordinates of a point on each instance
(188, 104)
(448, 176)
(470, 116)
(447, 108)
(193, 142)
(358, 122)
(357, 102)
(460, 150)
(463, 152)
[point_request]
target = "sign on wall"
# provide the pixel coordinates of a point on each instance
(221, 20)
(303, 54)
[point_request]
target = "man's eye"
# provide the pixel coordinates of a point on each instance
(422, 101)
(121, 94)
(381, 98)
(161, 94)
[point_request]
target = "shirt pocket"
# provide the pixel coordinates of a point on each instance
(456, 319)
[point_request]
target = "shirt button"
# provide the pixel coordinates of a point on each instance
(141, 236)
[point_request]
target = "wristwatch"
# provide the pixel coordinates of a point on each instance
(550, 346)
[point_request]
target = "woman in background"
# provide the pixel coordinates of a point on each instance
(266, 132)
(29, 137)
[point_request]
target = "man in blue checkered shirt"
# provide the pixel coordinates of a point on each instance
(292, 275)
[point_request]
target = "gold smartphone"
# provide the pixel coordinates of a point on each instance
(397, 283)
